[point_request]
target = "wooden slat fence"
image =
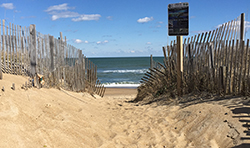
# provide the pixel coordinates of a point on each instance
(24, 51)
(216, 61)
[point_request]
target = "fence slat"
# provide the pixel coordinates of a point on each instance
(241, 66)
(1, 47)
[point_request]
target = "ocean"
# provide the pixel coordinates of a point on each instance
(122, 71)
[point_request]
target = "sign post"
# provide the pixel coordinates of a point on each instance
(178, 26)
(179, 64)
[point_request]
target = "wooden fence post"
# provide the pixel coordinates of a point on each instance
(240, 71)
(51, 46)
(80, 70)
(22, 55)
(4, 49)
(84, 71)
(62, 64)
(242, 26)
(151, 61)
(11, 47)
(7, 49)
(33, 52)
(165, 56)
(222, 76)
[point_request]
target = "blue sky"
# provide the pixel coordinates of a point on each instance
(118, 28)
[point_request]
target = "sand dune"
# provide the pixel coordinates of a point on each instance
(59, 118)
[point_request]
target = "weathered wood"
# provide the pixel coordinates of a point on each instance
(33, 50)
(222, 73)
(215, 34)
(10, 50)
(229, 30)
(190, 60)
(18, 50)
(103, 91)
(224, 31)
(51, 46)
(84, 72)
(26, 56)
(4, 47)
(246, 71)
(242, 56)
(146, 80)
(235, 68)
(212, 36)
(151, 61)
(227, 50)
(179, 64)
(1, 49)
(7, 48)
(235, 26)
(231, 66)
(22, 57)
(150, 76)
(208, 37)
(15, 56)
(80, 75)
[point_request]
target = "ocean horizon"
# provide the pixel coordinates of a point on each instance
(122, 72)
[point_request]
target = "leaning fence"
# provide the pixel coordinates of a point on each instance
(49, 61)
(216, 61)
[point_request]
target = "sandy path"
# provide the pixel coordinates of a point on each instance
(58, 118)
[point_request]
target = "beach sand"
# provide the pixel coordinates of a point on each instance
(57, 118)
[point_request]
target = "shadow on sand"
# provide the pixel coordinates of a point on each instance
(242, 113)
(240, 107)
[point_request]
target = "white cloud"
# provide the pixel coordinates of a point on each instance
(78, 41)
(148, 43)
(59, 7)
(160, 22)
(247, 25)
(199, 31)
(87, 17)
(145, 19)
(102, 42)
(61, 11)
(7, 6)
(65, 14)
(109, 17)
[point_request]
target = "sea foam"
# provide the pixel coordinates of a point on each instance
(126, 71)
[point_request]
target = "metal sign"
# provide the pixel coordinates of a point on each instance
(178, 19)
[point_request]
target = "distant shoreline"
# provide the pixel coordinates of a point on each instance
(129, 57)
(123, 86)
